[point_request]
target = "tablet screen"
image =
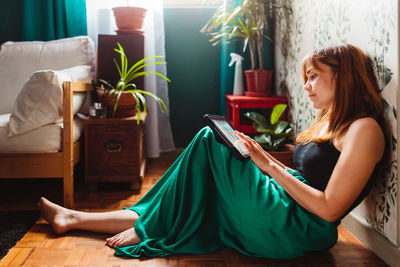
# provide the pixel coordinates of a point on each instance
(228, 131)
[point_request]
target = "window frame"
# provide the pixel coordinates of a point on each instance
(192, 3)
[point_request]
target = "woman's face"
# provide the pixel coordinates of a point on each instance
(320, 85)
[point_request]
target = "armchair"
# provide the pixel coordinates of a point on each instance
(21, 63)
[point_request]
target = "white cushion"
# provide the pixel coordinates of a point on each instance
(18, 60)
(41, 99)
(47, 138)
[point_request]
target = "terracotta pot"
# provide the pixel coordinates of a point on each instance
(258, 82)
(129, 18)
(126, 105)
(284, 155)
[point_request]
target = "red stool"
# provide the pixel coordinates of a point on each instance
(235, 103)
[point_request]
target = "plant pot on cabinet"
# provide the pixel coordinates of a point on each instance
(129, 18)
(126, 105)
(284, 155)
(258, 82)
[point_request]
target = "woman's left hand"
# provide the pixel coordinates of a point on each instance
(259, 156)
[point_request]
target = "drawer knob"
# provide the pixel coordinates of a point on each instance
(113, 146)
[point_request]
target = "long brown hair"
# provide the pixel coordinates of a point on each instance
(357, 94)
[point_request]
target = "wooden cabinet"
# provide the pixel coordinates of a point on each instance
(114, 150)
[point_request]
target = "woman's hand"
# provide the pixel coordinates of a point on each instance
(260, 157)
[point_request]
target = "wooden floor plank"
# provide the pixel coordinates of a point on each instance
(48, 256)
(41, 247)
(16, 257)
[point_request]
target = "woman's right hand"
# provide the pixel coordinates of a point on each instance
(263, 160)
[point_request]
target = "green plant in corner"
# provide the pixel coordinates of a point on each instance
(125, 83)
(247, 21)
(274, 132)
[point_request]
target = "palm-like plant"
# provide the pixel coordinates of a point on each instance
(125, 83)
(247, 21)
(274, 132)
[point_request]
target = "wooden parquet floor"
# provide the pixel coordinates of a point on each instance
(41, 247)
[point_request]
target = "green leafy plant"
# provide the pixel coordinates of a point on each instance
(274, 132)
(247, 21)
(125, 83)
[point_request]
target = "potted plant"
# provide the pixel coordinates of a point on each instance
(129, 19)
(275, 135)
(124, 97)
(247, 21)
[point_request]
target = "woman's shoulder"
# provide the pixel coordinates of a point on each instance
(364, 133)
(367, 125)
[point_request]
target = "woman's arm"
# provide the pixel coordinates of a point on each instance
(362, 147)
(283, 166)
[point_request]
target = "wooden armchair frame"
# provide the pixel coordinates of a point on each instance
(53, 164)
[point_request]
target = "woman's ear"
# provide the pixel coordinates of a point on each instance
(335, 75)
(334, 79)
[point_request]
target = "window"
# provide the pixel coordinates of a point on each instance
(192, 3)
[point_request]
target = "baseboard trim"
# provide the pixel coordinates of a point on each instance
(381, 246)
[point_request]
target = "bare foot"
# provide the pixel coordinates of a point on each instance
(123, 239)
(59, 218)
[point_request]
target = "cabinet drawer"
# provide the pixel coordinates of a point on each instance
(113, 151)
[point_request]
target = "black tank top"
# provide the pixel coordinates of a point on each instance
(316, 161)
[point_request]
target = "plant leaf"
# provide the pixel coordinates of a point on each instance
(263, 128)
(278, 142)
(263, 139)
(256, 117)
(281, 126)
(290, 128)
(277, 112)
(118, 95)
(160, 102)
(106, 83)
(146, 73)
(118, 68)
(141, 62)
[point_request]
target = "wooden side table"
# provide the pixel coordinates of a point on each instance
(235, 103)
(114, 150)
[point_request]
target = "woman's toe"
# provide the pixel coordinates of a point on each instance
(110, 241)
(115, 241)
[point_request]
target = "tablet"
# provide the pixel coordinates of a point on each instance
(224, 132)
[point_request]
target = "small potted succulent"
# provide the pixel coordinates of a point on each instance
(275, 135)
(123, 99)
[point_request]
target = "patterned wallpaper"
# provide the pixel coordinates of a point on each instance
(313, 24)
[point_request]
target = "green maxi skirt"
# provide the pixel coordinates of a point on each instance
(209, 200)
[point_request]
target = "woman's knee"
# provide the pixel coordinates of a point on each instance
(203, 136)
(206, 133)
(206, 129)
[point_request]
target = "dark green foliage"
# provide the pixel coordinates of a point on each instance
(274, 132)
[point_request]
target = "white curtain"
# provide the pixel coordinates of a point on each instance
(100, 20)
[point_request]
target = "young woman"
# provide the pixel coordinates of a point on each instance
(209, 200)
